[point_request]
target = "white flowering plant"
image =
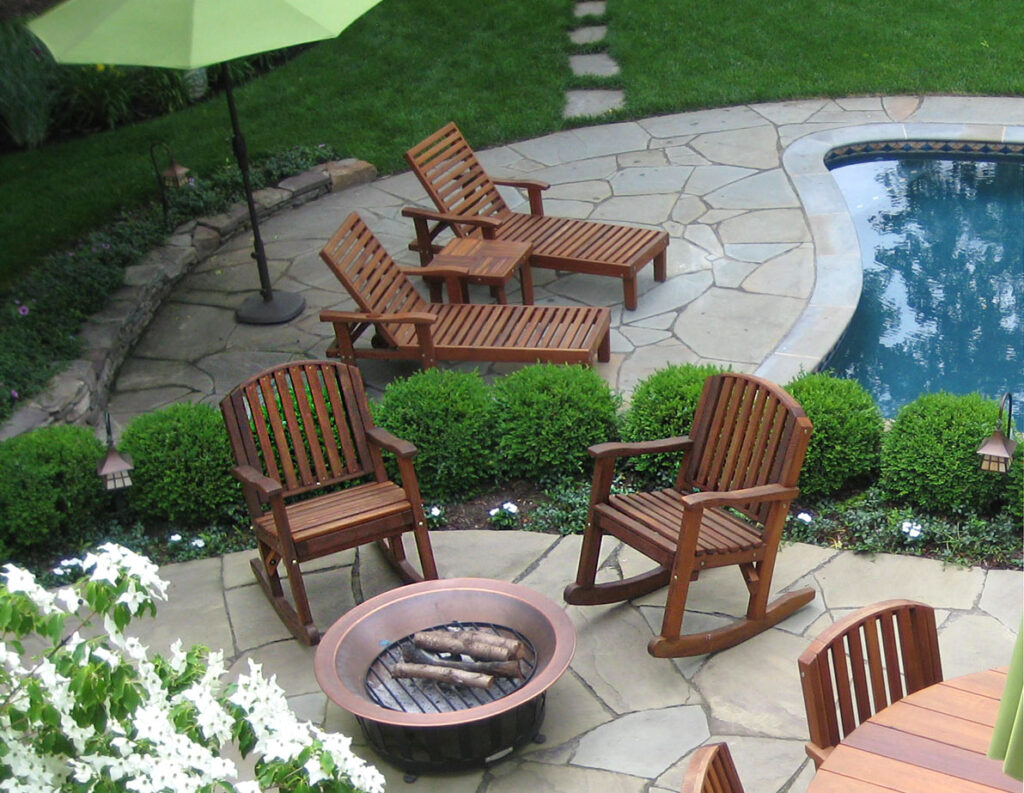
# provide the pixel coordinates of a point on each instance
(506, 516)
(83, 707)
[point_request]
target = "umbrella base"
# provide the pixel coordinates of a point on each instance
(281, 307)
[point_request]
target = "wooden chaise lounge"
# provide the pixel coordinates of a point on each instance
(409, 327)
(469, 203)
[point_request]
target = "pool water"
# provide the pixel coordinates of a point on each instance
(943, 301)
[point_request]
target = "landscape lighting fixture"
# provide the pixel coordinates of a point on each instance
(997, 450)
(115, 468)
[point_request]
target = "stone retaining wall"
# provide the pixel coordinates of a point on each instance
(78, 394)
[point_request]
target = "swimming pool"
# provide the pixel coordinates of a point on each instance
(942, 306)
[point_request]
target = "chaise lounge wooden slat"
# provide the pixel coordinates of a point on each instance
(469, 204)
(406, 326)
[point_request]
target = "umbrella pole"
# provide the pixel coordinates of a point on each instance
(268, 307)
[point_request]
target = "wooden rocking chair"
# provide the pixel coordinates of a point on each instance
(738, 475)
(711, 770)
(304, 429)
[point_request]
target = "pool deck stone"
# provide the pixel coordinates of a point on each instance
(764, 274)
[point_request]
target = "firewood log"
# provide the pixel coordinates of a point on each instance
(415, 655)
(443, 674)
(453, 642)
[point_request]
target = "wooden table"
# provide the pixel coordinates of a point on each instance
(490, 262)
(933, 741)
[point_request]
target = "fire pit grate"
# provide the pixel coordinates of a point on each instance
(427, 696)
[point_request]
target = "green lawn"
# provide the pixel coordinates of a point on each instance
(500, 70)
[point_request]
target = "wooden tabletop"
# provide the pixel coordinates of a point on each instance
(933, 741)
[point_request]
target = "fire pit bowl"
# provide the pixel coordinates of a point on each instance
(458, 739)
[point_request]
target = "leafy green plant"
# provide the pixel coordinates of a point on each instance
(546, 415)
(929, 455)
(182, 465)
(49, 490)
(565, 506)
(506, 516)
(662, 406)
(26, 85)
(847, 433)
(1015, 487)
(447, 415)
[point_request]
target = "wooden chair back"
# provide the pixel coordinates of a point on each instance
(453, 177)
(746, 432)
(303, 424)
(864, 663)
(711, 770)
(371, 276)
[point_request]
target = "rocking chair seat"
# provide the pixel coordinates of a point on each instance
(365, 513)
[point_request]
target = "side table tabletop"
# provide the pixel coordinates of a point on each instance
(492, 263)
(932, 741)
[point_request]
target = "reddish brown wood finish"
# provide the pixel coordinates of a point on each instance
(304, 427)
(738, 475)
(934, 740)
(469, 204)
(407, 326)
(492, 263)
(864, 663)
(711, 770)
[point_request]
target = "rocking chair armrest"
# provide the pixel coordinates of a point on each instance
(248, 475)
(411, 317)
(745, 495)
(616, 449)
(482, 221)
(381, 437)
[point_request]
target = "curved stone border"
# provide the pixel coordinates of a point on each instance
(79, 392)
(838, 271)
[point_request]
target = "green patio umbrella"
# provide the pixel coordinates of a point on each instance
(188, 34)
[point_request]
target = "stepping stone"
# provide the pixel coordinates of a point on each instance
(592, 102)
(589, 8)
(588, 34)
(599, 63)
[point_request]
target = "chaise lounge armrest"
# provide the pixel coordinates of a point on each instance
(533, 190)
(248, 475)
(420, 217)
(411, 317)
(393, 444)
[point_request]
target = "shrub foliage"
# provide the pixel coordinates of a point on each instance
(447, 415)
(546, 415)
(847, 433)
(182, 462)
(662, 406)
(929, 455)
(49, 490)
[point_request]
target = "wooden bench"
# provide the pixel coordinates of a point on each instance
(469, 204)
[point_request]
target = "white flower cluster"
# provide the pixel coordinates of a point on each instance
(912, 529)
(99, 714)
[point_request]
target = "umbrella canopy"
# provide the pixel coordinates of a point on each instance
(187, 34)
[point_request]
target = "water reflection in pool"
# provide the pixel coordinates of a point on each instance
(943, 300)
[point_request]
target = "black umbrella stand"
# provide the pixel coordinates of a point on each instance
(268, 307)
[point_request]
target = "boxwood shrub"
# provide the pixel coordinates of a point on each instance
(662, 406)
(847, 435)
(183, 463)
(447, 415)
(49, 490)
(546, 415)
(929, 457)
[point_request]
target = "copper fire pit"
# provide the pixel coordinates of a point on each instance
(472, 735)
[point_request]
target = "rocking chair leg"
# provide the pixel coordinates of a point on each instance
(394, 553)
(270, 582)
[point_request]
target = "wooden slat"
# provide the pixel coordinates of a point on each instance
(891, 774)
(910, 718)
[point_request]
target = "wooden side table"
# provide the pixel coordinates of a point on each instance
(492, 263)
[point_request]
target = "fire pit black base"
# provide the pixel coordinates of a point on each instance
(425, 740)
(460, 747)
